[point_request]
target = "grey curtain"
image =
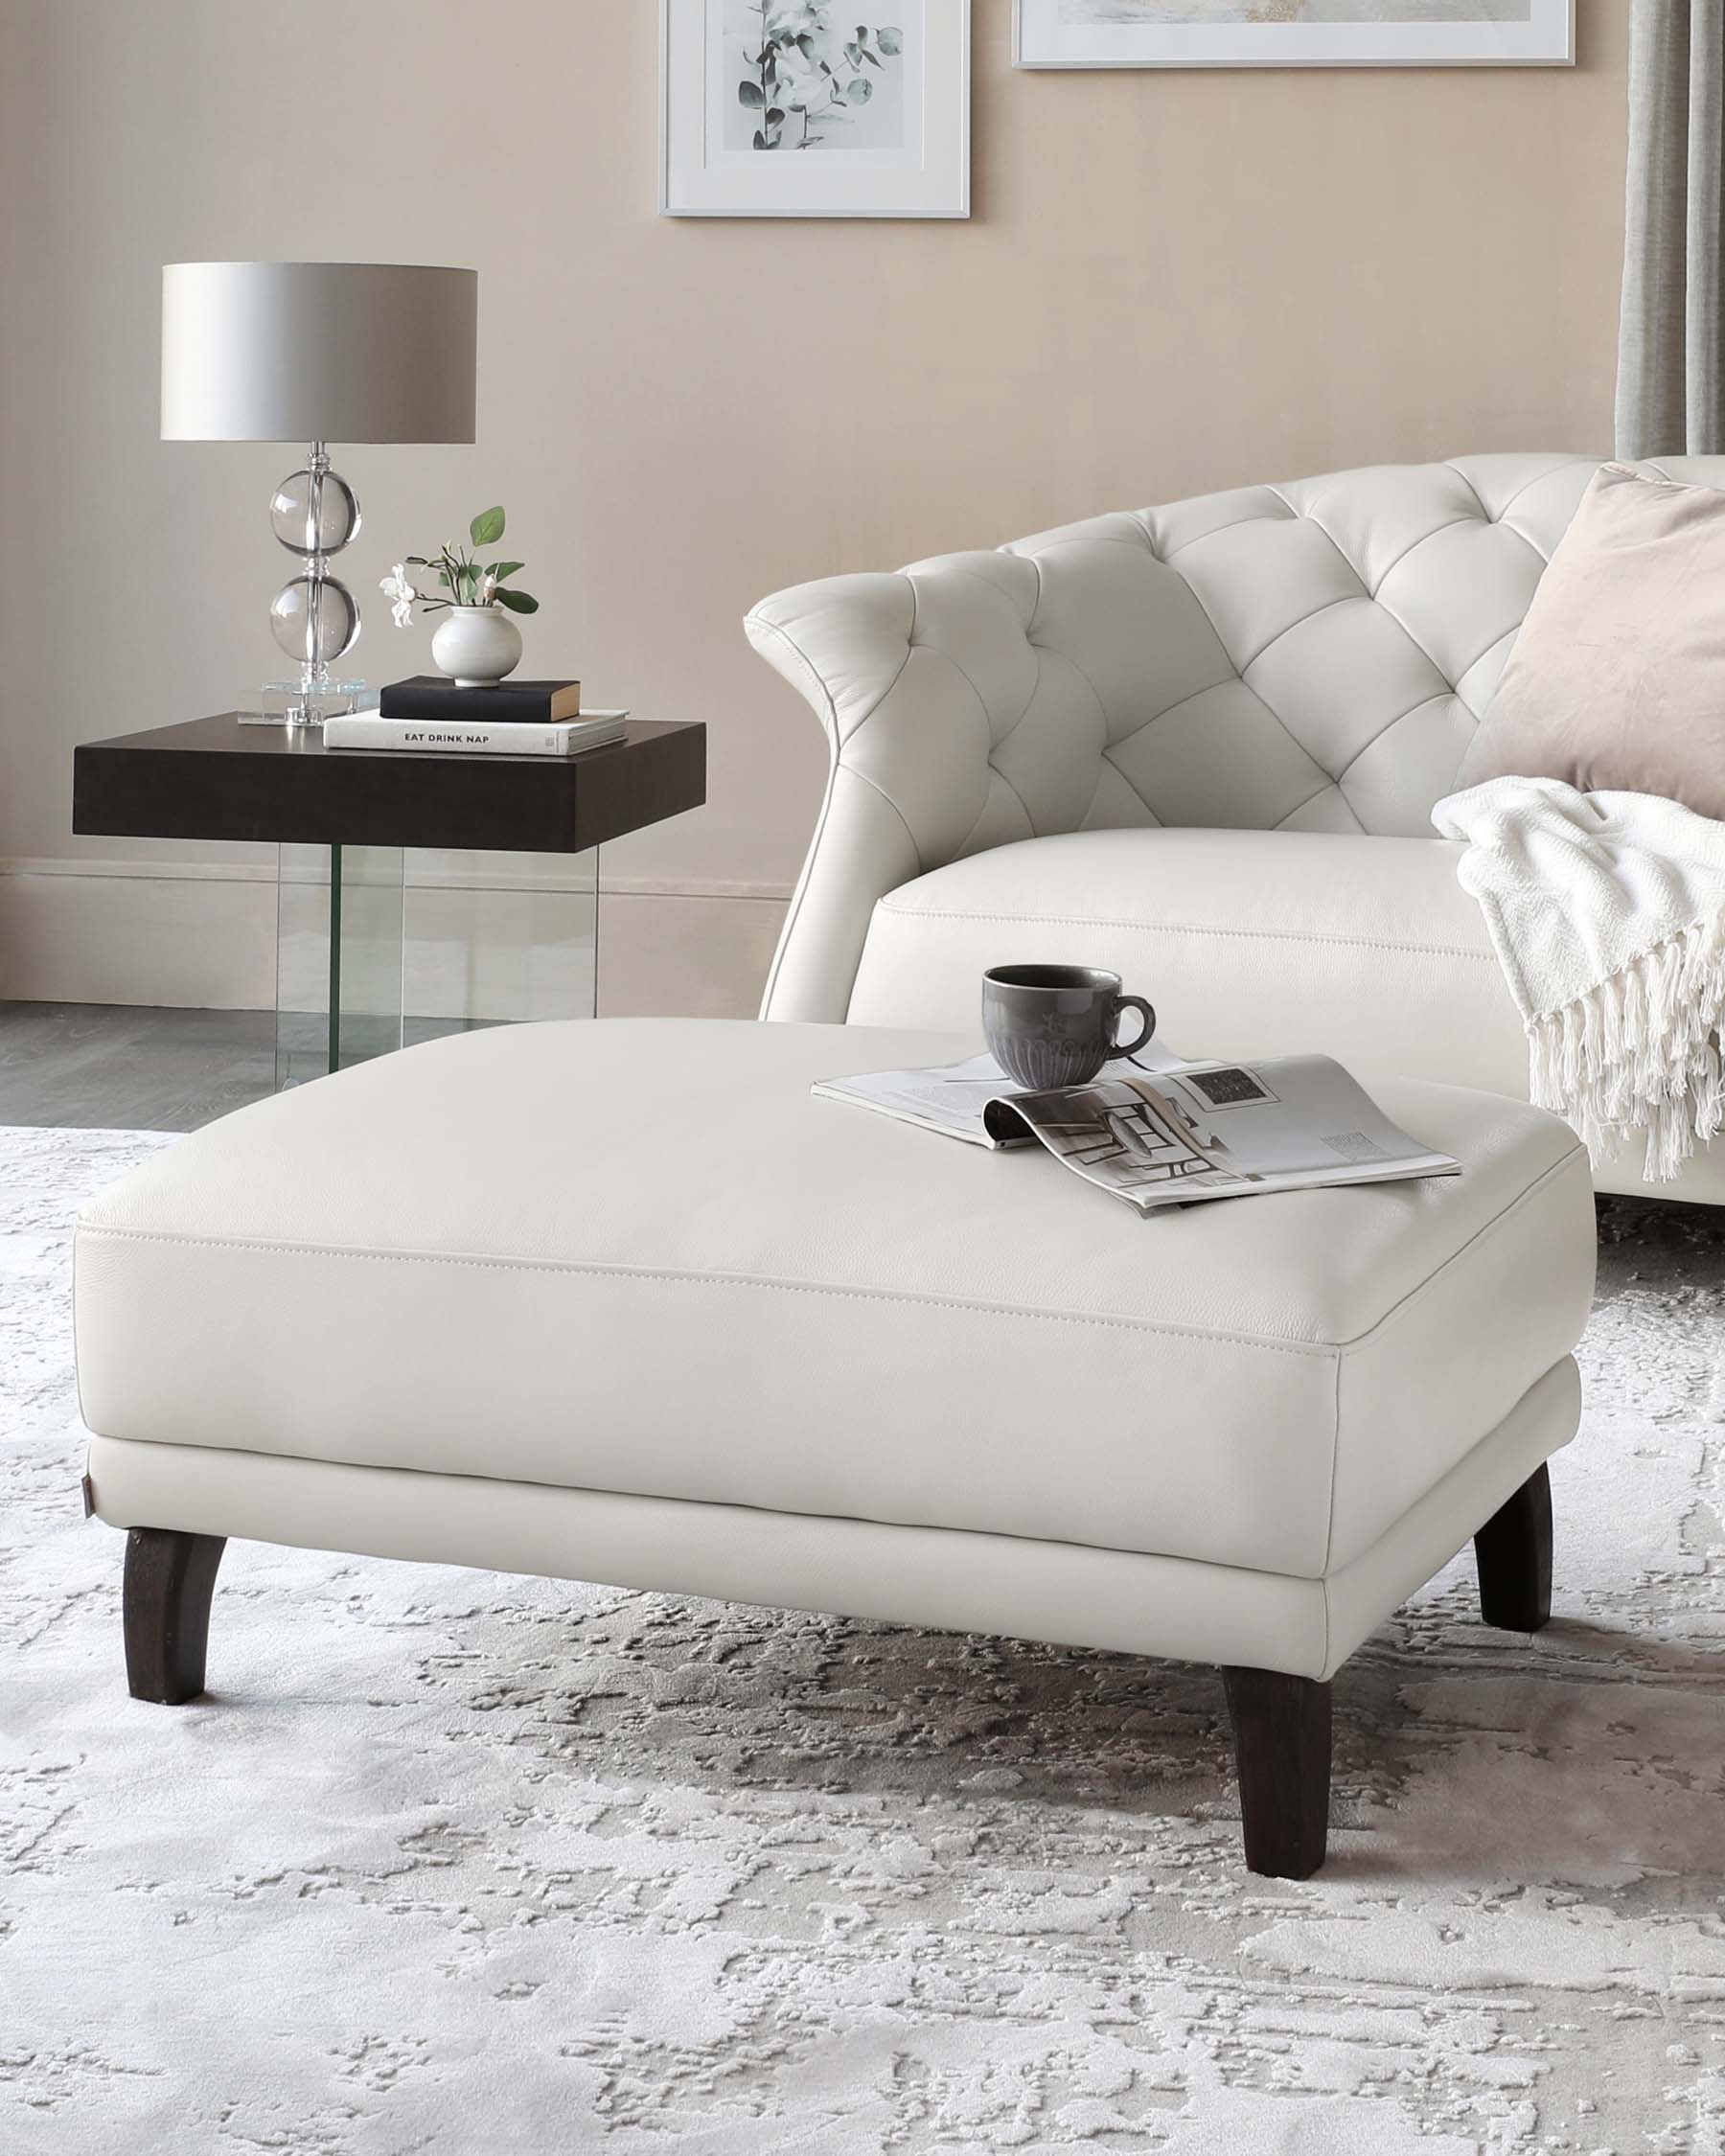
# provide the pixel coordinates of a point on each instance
(1670, 391)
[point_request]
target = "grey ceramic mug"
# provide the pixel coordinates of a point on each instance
(1056, 1026)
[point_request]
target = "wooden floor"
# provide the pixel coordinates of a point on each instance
(117, 1067)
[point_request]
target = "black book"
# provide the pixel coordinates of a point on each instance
(433, 696)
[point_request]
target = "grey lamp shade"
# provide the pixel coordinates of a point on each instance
(317, 352)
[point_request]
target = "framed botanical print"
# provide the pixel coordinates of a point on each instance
(1294, 33)
(797, 109)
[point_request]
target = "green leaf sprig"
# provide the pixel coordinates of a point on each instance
(468, 581)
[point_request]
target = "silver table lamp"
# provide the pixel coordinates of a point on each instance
(316, 352)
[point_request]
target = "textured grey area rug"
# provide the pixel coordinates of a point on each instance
(462, 1862)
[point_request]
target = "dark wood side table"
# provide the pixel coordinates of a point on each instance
(417, 893)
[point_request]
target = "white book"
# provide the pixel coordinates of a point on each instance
(475, 736)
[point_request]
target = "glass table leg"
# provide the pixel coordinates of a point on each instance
(492, 938)
(339, 958)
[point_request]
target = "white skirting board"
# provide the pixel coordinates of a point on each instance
(202, 936)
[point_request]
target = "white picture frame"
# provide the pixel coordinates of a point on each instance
(898, 149)
(1057, 34)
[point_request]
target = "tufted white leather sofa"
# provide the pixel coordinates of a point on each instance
(1198, 744)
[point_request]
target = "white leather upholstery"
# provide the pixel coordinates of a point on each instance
(655, 1267)
(1246, 941)
(1060, 1590)
(1249, 942)
(1310, 657)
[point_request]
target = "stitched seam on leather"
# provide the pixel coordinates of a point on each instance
(1024, 629)
(1192, 695)
(1066, 658)
(1087, 539)
(661, 1275)
(1035, 561)
(1222, 645)
(1269, 711)
(1240, 671)
(1527, 488)
(1338, 1350)
(1485, 513)
(1441, 674)
(1180, 928)
(794, 912)
(1233, 524)
(1358, 574)
(1437, 695)
(1348, 599)
(772, 629)
(175, 1446)
(1576, 1152)
(1329, 1533)
(1516, 532)
(1096, 692)
(1016, 795)
(964, 846)
(1414, 545)
(1527, 536)
(915, 849)
(841, 743)
(1125, 776)
(1329, 786)
(875, 708)
(988, 759)
(982, 700)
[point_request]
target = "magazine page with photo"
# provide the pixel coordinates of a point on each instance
(1157, 1131)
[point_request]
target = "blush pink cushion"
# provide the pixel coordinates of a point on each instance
(1617, 681)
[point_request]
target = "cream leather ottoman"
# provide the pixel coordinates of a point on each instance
(621, 1302)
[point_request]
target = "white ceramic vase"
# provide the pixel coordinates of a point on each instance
(474, 645)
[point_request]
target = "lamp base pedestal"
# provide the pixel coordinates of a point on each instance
(291, 703)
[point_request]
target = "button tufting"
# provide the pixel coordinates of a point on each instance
(1310, 654)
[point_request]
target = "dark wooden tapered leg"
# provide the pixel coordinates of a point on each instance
(1513, 1553)
(169, 1578)
(1281, 1732)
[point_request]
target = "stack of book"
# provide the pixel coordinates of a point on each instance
(503, 718)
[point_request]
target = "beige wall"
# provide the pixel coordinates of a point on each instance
(1172, 283)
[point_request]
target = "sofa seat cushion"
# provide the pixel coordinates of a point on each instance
(637, 1257)
(1248, 943)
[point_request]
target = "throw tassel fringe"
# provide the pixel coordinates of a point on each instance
(1640, 1054)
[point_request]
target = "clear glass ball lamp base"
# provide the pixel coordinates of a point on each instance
(315, 617)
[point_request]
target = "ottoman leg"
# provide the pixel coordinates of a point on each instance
(1281, 1732)
(170, 1578)
(1513, 1553)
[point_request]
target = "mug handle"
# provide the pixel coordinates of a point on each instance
(1144, 1011)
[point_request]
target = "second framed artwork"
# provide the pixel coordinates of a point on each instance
(1294, 33)
(798, 109)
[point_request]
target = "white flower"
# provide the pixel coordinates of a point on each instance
(816, 40)
(400, 593)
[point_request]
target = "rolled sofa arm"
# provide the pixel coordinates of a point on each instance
(917, 679)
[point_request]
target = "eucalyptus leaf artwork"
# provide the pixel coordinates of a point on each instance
(816, 108)
(462, 579)
(807, 71)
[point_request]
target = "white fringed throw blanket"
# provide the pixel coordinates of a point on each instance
(1608, 913)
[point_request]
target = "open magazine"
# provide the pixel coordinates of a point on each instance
(1157, 1130)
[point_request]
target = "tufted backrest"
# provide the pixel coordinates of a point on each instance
(1307, 657)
